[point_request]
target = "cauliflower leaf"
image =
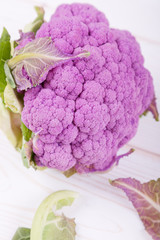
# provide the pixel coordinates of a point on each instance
(27, 133)
(27, 153)
(9, 77)
(36, 24)
(153, 109)
(11, 100)
(49, 225)
(146, 200)
(10, 125)
(5, 53)
(22, 234)
(32, 63)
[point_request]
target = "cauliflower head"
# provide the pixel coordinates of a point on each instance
(86, 109)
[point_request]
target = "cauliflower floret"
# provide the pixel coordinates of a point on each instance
(58, 155)
(86, 109)
(91, 117)
(48, 114)
(65, 81)
(93, 92)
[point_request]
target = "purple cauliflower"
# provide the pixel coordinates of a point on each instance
(86, 109)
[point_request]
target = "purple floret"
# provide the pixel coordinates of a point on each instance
(88, 108)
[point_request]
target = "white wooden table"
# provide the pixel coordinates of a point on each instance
(102, 212)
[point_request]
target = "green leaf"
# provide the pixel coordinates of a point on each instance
(13, 45)
(5, 35)
(146, 200)
(5, 46)
(49, 226)
(22, 234)
(27, 153)
(11, 100)
(5, 54)
(10, 125)
(9, 77)
(36, 24)
(27, 148)
(3, 82)
(2, 97)
(27, 133)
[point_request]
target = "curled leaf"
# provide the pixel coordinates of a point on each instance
(24, 36)
(11, 100)
(32, 63)
(9, 77)
(13, 46)
(153, 109)
(35, 25)
(10, 124)
(27, 153)
(146, 200)
(47, 224)
(27, 149)
(123, 155)
(116, 159)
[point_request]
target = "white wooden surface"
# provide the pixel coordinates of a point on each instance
(102, 212)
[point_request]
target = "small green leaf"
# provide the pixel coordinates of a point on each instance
(36, 24)
(22, 234)
(11, 100)
(2, 97)
(27, 153)
(49, 226)
(5, 54)
(5, 35)
(9, 77)
(27, 149)
(27, 133)
(13, 45)
(10, 125)
(3, 82)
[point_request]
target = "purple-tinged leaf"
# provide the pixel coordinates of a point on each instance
(28, 155)
(123, 155)
(108, 168)
(146, 200)
(153, 109)
(116, 159)
(36, 24)
(32, 63)
(24, 36)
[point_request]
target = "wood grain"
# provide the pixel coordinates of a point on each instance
(102, 212)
